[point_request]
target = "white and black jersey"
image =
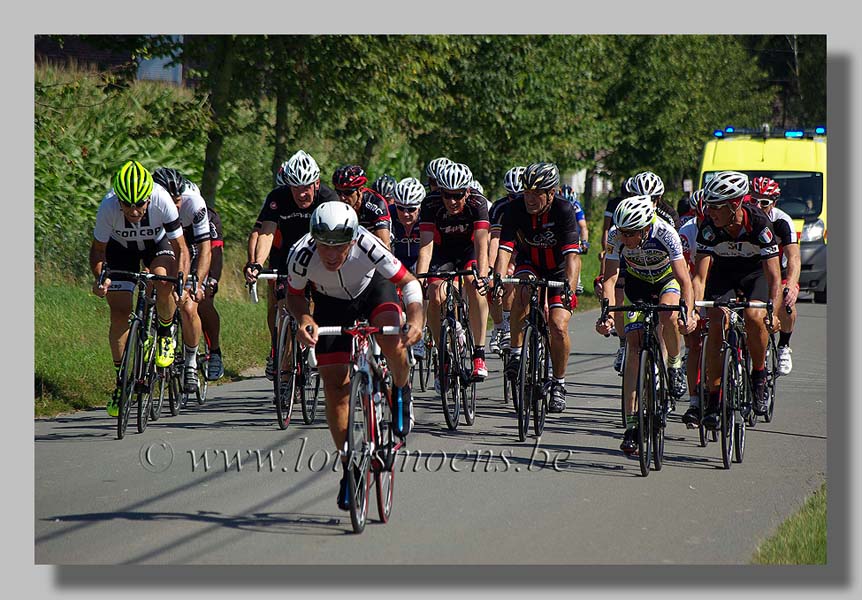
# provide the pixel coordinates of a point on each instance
(160, 220)
(367, 256)
(194, 217)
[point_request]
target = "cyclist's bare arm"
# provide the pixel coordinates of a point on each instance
(480, 244)
(426, 247)
(204, 260)
(585, 231)
(702, 263)
(680, 272)
(383, 234)
(772, 268)
(97, 259)
(217, 262)
(265, 237)
(606, 227)
(794, 267)
(573, 268)
(297, 306)
(609, 277)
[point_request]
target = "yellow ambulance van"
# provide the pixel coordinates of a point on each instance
(796, 159)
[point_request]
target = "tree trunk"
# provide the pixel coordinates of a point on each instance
(370, 144)
(281, 104)
(220, 90)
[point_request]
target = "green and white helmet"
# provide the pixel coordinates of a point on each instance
(634, 213)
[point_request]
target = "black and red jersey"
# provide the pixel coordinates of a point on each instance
(755, 242)
(373, 210)
(453, 232)
(543, 239)
(292, 221)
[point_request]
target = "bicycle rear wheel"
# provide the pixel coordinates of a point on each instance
(507, 383)
(130, 369)
(175, 389)
(450, 387)
(659, 419)
(645, 403)
(702, 431)
(526, 382)
(384, 475)
(203, 364)
(284, 382)
(727, 401)
(358, 446)
(541, 370)
(158, 392)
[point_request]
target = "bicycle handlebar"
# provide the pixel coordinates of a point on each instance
(535, 282)
(731, 304)
(447, 274)
(644, 307)
(139, 277)
(252, 287)
(346, 330)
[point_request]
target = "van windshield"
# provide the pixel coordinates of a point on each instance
(801, 192)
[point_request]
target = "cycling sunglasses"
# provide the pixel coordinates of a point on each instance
(453, 195)
(135, 205)
(407, 209)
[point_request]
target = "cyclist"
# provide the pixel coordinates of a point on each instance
(431, 171)
(385, 186)
(354, 276)
(283, 219)
(541, 226)
(194, 220)
(649, 184)
(453, 232)
(765, 192)
(404, 213)
(626, 190)
(210, 319)
(736, 253)
(656, 273)
(371, 208)
(688, 237)
(500, 312)
(137, 222)
(584, 243)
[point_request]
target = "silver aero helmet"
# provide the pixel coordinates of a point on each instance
(512, 180)
(409, 192)
(454, 176)
(301, 169)
(334, 223)
(433, 166)
(634, 213)
(726, 185)
(648, 184)
(281, 175)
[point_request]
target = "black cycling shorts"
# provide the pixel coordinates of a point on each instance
(725, 284)
(460, 260)
(380, 296)
(129, 259)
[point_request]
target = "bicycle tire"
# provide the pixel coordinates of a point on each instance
(541, 368)
(357, 446)
(645, 406)
(702, 431)
(310, 390)
(384, 474)
(507, 385)
(659, 418)
(727, 401)
(771, 377)
(468, 384)
(175, 390)
(526, 383)
(158, 400)
(203, 382)
(622, 392)
(148, 377)
(129, 370)
(284, 382)
(449, 384)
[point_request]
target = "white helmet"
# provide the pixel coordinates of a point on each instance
(432, 167)
(476, 186)
(301, 169)
(726, 185)
(648, 184)
(696, 198)
(281, 174)
(409, 192)
(635, 213)
(334, 223)
(454, 176)
(512, 180)
(629, 186)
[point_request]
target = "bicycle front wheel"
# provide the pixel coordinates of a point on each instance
(284, 382)
(526, 383)
(727, 402)
(450, 387)
(311, 389)
(130, 369)
(203, 364)
(771, 377)
(358, 447)
(646, 393)
(542, 372)
(659, 417)
(468, 385)
(158, 393)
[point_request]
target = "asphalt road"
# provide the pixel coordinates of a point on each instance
(177, 495)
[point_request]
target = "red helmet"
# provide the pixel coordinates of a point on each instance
(349, 177)
(764, 188)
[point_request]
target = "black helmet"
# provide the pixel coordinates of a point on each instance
(541, 176)
(384, 185)
(170, 179)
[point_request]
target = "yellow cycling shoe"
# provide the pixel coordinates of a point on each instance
(165, 352)
(113, 406)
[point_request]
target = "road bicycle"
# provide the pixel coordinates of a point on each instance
(425, 366)
(735, 394)
(455, 350)
(295, 381)
(530, 390)
(652, 392)
(137, 368)
(371, 443)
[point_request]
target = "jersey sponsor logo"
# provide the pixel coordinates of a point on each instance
(301, 259)
(371, 206)
(139, 234)
(200, 215)
(273, 205)
(708, 234)
(296, 215)
(544, 239)
(370, 249)
(765, 236)
(462, 228)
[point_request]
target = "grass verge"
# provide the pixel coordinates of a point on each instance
(801, 539)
